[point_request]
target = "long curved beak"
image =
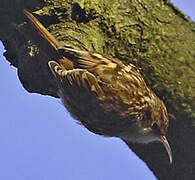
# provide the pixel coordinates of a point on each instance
(167, 147)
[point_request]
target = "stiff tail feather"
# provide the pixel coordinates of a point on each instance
(42, 30)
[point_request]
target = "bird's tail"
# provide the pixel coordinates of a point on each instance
(42, 30)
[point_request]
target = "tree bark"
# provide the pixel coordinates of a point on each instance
(153, 35)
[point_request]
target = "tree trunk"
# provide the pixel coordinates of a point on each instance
(153, 35)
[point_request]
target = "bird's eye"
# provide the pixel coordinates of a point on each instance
(155, 126)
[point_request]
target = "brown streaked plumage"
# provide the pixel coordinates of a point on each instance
(108, 97)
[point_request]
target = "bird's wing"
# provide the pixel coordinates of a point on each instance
(79, 77)
(105, 69)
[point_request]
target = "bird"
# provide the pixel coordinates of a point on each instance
(108, 97)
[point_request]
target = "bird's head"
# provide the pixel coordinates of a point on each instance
(154, 124)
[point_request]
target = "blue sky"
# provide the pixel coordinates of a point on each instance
(40, 141)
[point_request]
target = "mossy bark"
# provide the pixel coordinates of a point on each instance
(153, 35)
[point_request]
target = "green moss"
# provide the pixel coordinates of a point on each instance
(33, 50)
